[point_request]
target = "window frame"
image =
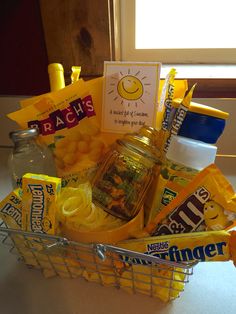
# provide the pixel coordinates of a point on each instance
(179, 56)
(214, 78)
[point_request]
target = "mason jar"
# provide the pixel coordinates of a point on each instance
(123, 178)
(28, 155)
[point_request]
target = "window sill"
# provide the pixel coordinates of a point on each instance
(213, 81)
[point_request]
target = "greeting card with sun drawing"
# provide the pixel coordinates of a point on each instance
(130, 95)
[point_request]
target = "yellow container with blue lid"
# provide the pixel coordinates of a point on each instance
(203, 123)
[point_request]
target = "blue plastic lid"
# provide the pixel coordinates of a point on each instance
(202, 127)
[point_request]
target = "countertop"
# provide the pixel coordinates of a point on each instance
(211, 289)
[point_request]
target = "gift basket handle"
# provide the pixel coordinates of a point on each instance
(101, 250)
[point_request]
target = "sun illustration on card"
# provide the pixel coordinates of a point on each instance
(129, 87)
(130, 95)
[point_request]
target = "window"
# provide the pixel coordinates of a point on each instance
(178, 31)
(176, 39)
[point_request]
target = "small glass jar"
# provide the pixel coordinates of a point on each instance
(29, 156)
(122, 180)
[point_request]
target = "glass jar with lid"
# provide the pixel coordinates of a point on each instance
(28, 155)
(123, 178)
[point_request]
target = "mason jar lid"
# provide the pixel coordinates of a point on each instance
(26, 134)
(143, 142)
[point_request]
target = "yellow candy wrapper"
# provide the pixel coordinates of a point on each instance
(69, 123)
(166, 98)
(11, 209)
(208, 246)
(30, 248)
(178, 118)
(208, 202)
(39, 203)
(11, 214)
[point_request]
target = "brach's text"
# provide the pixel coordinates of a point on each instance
(65, 118)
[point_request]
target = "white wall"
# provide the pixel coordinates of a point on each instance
(7, 104)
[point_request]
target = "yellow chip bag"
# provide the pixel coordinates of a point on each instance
(208, 202)
(69, 123)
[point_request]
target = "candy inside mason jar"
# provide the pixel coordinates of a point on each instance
(122, 180)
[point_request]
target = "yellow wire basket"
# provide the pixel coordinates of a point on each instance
(104, 264)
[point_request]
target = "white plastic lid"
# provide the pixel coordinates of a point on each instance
(191, 153)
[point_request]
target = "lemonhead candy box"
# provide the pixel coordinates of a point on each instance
(39, 203)
(10, 209)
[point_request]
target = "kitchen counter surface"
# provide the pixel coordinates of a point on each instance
(211, 289)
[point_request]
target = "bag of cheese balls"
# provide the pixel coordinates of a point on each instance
(69, 123)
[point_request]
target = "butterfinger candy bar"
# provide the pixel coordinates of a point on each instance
(188, 247)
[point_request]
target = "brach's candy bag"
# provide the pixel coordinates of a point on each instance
(208, 202)
(69, 122)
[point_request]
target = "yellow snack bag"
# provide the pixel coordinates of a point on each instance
(69, 123)
(39, 203)
(208, 202)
